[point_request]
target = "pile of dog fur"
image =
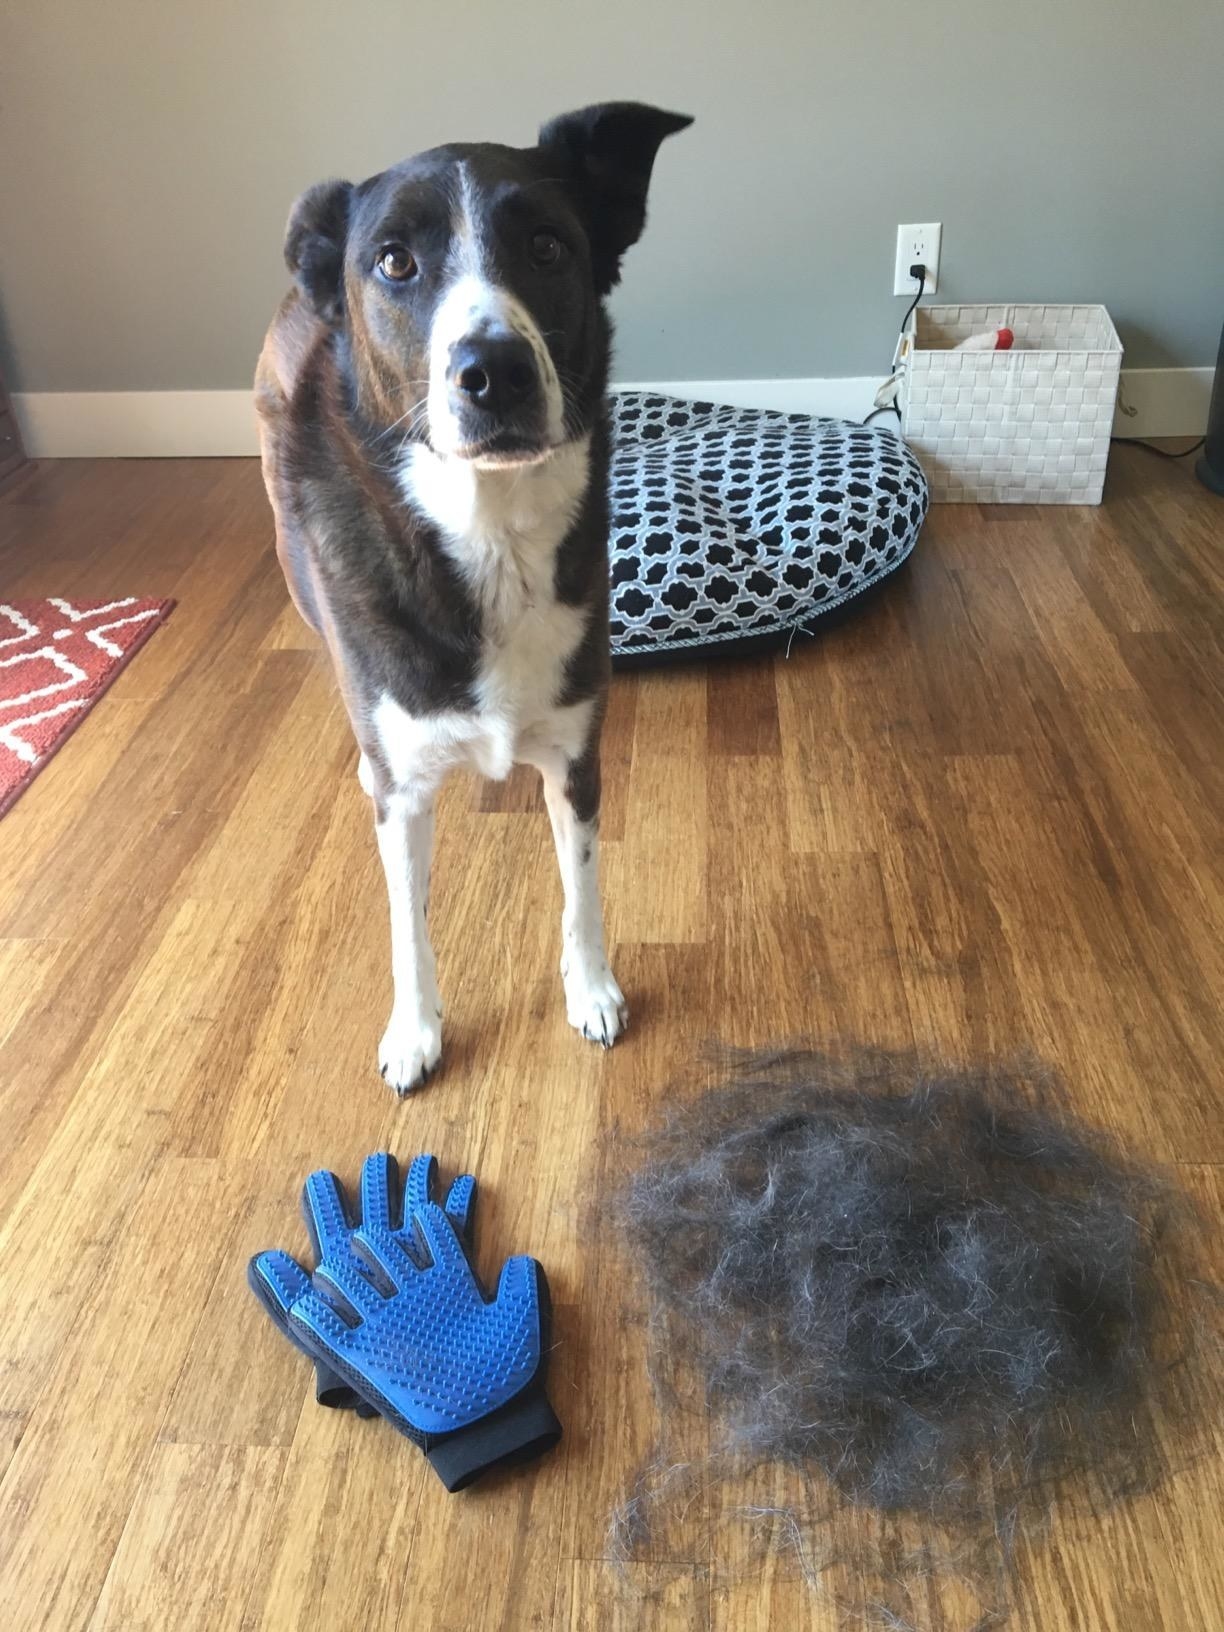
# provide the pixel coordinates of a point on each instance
(928, 1289)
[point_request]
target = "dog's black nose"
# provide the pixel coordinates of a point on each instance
(495, 373)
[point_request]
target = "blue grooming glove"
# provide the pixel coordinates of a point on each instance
(330, 1225)
(395, 1314)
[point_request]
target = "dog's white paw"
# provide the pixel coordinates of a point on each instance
(410, 1051)
(365, 775)
(594, 1003)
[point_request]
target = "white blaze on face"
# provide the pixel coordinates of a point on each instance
(475, 305)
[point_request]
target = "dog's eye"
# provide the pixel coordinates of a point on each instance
(396, 263)
(546, 249)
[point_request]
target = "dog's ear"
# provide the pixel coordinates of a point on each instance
(605, 154)
(314, 246)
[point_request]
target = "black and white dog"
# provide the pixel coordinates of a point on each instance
(435, 446)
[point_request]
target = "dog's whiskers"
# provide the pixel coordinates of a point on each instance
(421, 405)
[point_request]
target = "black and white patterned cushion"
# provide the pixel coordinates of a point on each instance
(740, 525)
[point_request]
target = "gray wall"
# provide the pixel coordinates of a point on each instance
(1073, 149)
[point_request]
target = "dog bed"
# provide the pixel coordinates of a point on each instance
(733, 527)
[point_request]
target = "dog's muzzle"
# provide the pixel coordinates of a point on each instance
(496, 395)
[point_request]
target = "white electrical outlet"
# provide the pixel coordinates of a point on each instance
(917, 244)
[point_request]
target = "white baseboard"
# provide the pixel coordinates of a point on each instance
(136, 424)
(1166, 401)
(192, 424)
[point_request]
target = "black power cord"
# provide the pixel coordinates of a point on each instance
(1162, 453)
(918, 270)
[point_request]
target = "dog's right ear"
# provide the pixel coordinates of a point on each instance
(314, 246)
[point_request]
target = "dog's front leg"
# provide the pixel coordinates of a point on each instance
(593, 1000)
(412, 1043)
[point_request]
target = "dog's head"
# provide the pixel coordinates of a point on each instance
(468, 280)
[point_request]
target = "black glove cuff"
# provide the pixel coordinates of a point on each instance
(523, 1428)
(333, 1391)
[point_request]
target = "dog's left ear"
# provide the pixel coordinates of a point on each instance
(606, 154)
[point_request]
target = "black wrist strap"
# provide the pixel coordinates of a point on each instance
(524, 1428)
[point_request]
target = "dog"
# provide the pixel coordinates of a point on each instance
(433, 425)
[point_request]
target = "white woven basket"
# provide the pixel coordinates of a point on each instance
(1025, 426)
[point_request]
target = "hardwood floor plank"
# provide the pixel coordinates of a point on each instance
(25, 966)
(342, 1550)
(12, 1426)
(614, 1421)
(112, 927)
(192, 1540)
(98, 1155)
(957, 968)
(1084, 653)
(1120, 594)
(859, 992)
(603, 1597)
(521, 793)
(616, 755)
(964, 683)
(241, 1384)
(656, 874)
(1185, 691)
(35, 831)
(1072, 948)
(830, 805)
(742, 707)
(79, 1465)
(510, 1526)
(1173, 539)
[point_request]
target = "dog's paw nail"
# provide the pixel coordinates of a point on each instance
(409, 1054)
(596, 1007)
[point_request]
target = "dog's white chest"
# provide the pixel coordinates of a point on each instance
(502, 529)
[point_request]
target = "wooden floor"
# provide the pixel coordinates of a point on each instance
(981, 816)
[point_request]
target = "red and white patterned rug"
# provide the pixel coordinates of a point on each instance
(56, 660)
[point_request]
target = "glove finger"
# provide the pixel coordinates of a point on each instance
(380, 1191)
(460, 1202)
(317, 1328)
(420, 1184)
(278, 1281)
(325, 1210)
(342, 1277)
(386, 1257)
(445, 1247)
(519, 1281)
